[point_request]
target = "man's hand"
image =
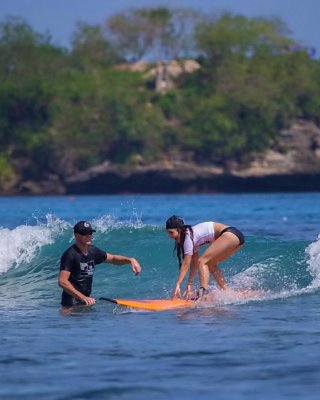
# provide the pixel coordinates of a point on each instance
(88, 301)
(135, 266)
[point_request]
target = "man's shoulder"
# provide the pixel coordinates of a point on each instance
(98, 255)
(70, 250)
(94, 249)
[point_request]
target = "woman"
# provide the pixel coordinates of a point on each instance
(223, 241)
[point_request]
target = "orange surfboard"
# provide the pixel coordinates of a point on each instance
(152, 305)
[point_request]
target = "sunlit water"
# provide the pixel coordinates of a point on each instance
(257, 348)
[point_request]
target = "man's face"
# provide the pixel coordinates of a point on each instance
(83, 239)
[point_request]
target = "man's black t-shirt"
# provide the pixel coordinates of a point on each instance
(81, 269)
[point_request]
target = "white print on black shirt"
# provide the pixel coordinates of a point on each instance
(87, 268)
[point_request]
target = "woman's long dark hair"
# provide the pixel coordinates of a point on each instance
(178, 248)
(176, 222)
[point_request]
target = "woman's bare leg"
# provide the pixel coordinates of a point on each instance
(218, 276)
(219, 250)
(204, 275)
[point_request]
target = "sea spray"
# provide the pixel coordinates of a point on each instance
(313, 253)
(20, 245)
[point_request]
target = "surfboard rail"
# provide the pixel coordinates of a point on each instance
(152, 304)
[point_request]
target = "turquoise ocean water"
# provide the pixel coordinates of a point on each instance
(265, 348)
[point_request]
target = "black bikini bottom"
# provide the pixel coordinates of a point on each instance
(236, 232)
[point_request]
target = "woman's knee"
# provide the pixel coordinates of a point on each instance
(202, 263)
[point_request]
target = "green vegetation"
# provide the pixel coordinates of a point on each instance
(63, 111)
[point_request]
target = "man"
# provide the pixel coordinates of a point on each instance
(78, 263)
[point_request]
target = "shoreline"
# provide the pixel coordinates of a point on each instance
(171, 182)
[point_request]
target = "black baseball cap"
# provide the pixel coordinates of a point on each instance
(83, 228)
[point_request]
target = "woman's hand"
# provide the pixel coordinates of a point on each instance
(177, 292)
(188, 292)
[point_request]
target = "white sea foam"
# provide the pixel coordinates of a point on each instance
(106, 223)
(250, 278)
(258, 276)
(21, 244)
(313, 253)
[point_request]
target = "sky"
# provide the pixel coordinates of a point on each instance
(59, 17)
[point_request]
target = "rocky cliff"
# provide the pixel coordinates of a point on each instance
(292, 164)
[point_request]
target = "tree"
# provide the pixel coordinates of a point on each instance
(28, 63)
(155, 33)
(89, 46)
(235, 35)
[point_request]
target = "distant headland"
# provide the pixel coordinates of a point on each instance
(293, 170)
